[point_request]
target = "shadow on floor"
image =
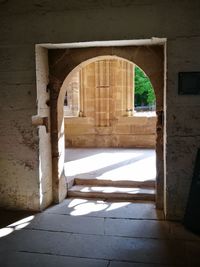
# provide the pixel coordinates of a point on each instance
(10, 216)
(93, 233)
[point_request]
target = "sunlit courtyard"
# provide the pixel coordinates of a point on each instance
(114, 164)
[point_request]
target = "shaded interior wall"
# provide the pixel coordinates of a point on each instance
(29, 22)
(19, 165)
(106, 117)
(45, 155)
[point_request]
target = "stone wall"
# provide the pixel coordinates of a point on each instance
(124, 132)
(72, 98)
(26, 23)
(106, 110)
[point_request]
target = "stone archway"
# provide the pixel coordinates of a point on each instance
(62, 64)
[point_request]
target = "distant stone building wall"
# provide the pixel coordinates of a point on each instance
(125, 132)
(71, 104)
(106, 112)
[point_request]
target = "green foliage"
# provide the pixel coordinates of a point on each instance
(144, 93)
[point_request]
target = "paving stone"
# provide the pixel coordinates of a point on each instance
(193, 253)
(137, 228)
(11, 216)
(83, 232)
(98, 208)
(96, 247)
(66, 223)
(178, 231)
(110, 163)
(23, 259)
(132, 264)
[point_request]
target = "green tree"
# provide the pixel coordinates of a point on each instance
(144, 93)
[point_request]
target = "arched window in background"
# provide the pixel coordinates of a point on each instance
(109, 89)
(145, 99)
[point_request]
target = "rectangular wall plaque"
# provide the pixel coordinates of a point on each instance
(189, 83)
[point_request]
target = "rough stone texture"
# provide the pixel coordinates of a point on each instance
(183, 131)
(72, 98)
(25, 23)
(45, 157)
(125, 132)
(19, 140)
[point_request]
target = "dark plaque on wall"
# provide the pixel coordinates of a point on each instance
(189, 83)
(192, 215)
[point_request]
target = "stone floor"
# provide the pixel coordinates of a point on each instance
(93, 233)
(110, 163)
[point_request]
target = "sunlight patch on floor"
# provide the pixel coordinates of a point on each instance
(18, 225)
(113, 164)
(83, 207)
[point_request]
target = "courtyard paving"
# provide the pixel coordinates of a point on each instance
(114, 164)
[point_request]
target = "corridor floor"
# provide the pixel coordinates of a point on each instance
(110, 163)
(93, 233)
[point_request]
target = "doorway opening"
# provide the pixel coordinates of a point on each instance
(110, 131)
(56, 64)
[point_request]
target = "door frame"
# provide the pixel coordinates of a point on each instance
(54, 86)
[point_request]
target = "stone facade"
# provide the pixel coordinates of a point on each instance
(106, 110)
(124, 132)
(72, 98)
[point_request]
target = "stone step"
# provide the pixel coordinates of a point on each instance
(108, 192)
(118, 183)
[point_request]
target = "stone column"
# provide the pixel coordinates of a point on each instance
(81, 113)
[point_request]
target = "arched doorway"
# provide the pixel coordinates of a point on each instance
(110, 144)
(150, 59)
